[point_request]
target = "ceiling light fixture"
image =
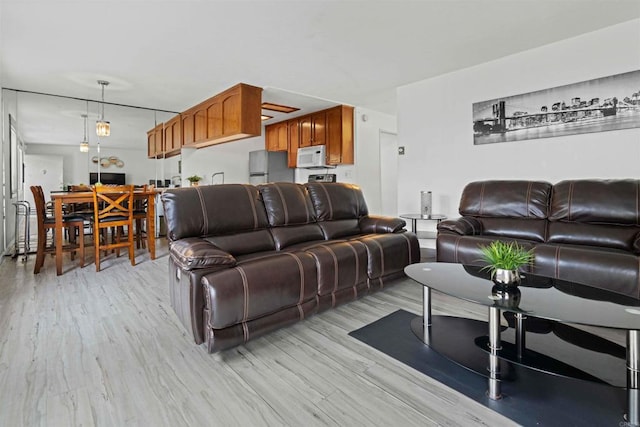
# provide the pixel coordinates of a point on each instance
(84, 145)
(279, 108)
(103, 128)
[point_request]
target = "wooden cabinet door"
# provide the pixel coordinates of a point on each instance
(305, 125)
(294, 138)
(200, 124)
(277, 137)
(168, 137)
(319, 127)
(159, 140)
(173, 135)
(188, 131)
(340, 135)
(231, 113)
(151, 144)
(214, 119)
(270, 138)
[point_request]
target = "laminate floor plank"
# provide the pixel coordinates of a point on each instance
(106, 349)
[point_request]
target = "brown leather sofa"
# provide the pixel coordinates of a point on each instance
(585, 231)
(245, 260)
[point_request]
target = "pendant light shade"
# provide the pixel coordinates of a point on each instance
(84, 145)
(103, 127)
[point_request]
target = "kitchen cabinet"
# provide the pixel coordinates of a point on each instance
(277, 137)
(332, 127)
(231, 115)
(339, 135)
(312, 129)
(173, 136)
(293, 127)
(155, 139)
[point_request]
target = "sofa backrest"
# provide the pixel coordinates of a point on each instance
(500, 206)
(231, 216)
(596, 212)
(338, 207)
(290, 213)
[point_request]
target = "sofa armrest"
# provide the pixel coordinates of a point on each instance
(195, 253)
(466, 226)
(381, 224)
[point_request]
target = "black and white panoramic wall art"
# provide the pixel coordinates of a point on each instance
(606, 103)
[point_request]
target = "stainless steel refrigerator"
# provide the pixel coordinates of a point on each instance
(269, 166)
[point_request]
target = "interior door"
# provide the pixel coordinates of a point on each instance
(45, 171)
(389, 173)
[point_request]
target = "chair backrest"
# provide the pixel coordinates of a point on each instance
(38, 198)
(111, 203)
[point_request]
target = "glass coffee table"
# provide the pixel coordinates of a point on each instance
(545, 304)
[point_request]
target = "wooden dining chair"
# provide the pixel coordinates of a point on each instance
(46, 222)
(113, 210)
(140, 219)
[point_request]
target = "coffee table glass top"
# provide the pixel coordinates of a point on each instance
(435, 217)
(541, 296)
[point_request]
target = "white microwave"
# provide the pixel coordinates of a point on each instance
(314, 157)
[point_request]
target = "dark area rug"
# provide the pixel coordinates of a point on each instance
(530, 398)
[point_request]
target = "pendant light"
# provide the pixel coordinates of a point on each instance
(103, 128)
(84, 145)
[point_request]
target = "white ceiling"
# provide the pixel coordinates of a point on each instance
(173, 54)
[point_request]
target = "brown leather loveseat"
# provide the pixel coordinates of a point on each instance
(585, 231)
(245, 260)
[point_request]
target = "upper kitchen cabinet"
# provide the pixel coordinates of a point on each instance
(339, 133)
(155, 142)
(313, 129)
(194, 124)
(332, 127)
(231, 115)
(173, 136)
(277, 137)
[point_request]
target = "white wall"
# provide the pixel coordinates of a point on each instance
(232, 158)
(367, 134)
(435, 121)
(138, 168)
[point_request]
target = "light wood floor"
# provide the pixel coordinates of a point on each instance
(105, 349)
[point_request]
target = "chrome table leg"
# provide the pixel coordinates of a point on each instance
(494, 347)
(633, 377)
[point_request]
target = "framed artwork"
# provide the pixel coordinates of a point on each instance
(603, 104)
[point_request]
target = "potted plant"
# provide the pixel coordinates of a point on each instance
(194, 180)
(504, 260)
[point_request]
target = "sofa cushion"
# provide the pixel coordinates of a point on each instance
(287, 203)
(292, 234)
(339, 228)
(340, 265)
(211, 210)
(244, 243)
(334, 201)
(516, 228)
(604, 235)
(259, 287)
(194, 253)
(381, 224)
(466, 249)
(604, 268)
(389, 253)
(510, 199)
(597, 201)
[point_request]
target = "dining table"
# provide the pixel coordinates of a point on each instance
(61, 198)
